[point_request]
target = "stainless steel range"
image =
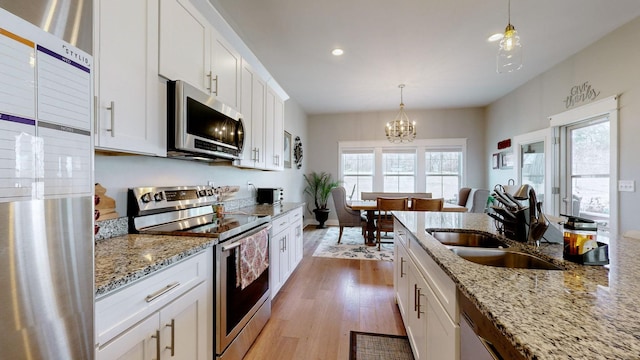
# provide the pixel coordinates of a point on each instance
(241, 291)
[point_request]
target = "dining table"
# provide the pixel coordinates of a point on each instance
(371, 206)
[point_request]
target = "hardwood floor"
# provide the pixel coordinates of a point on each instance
(323, 300)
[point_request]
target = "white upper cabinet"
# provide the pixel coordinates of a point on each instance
(225, 67)
(192, 50)
(252, 107)
(185, 44)
(129, 107)
(274, 134)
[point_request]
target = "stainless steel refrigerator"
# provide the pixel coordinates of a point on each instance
(46, 194)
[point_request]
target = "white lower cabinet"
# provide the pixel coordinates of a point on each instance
(426, 297)
(137, 343)
(417, 317)
(401, 280)
(177, 330)
(285, 249)
(163, 316)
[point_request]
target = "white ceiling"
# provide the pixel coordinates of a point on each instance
(438, 48)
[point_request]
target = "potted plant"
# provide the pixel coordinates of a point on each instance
(319, 187)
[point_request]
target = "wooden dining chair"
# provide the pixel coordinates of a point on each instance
(384, 221)
(418, 204)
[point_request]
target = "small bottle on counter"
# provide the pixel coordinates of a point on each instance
(219, 210)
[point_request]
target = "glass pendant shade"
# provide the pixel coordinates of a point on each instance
(510, 52)
(401, 129)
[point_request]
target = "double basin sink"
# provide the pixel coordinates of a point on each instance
(486, 249)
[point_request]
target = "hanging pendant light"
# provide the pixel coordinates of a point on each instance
(510, 52)
(401, 129)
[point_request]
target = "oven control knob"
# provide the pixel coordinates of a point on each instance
(158, 196)
(209, 192)
(202, 192)
(146, 197)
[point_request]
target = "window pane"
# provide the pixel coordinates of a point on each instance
(399, 171)
(443, 174)
(589, 164)
(592, 195)
(401, 163)
(399, 184)
(358, 163)
(361, 183)
(533, 167)
(357, 170)
(590, 149)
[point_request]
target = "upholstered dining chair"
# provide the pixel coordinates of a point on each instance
(384, 221)
(418, 204)
(346, 216)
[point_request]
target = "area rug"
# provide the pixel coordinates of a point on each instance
(371, 346)
(351, 247)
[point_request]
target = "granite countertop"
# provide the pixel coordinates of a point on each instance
(121, 260)
(582, 312)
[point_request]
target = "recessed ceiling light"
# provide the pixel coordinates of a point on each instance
(495, 37)
(337, 52)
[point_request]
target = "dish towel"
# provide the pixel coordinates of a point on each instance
(253, 258)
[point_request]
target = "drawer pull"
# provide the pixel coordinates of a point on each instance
(173, 337)
(162, 291)
(157, 337)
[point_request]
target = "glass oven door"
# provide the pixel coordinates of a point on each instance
(234, 305)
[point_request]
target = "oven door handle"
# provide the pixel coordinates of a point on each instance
(237, 243)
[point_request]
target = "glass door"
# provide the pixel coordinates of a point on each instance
(588, 171)
(532, 167)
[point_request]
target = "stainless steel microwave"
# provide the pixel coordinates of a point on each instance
(201, 127)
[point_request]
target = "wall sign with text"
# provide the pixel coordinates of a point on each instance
(580, 94)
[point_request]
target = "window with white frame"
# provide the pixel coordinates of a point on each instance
(443, 175)
(357, 172)
(399, 170)
(386, 167)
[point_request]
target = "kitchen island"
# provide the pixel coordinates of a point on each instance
(582, 312)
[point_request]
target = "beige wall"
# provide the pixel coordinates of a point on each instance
(326, 131)
(118, 173)
(610, 65)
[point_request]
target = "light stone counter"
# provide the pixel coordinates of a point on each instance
(121, 260)
(583, 312)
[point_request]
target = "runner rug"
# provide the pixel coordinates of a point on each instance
(370, 346)
(351, 247)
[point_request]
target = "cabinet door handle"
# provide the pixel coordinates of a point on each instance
(96, 107)
(112, 108)
(215, 92)
(162, 291)
(173, 336)
(415, 297)
(402, 274)
(157, 337)
(210, 80)
(419, 305)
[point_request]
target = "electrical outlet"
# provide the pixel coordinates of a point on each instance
(626, 185)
